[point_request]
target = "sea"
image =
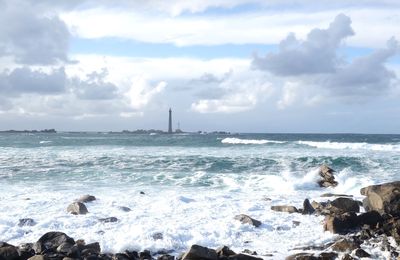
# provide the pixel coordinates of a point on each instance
(184, 189)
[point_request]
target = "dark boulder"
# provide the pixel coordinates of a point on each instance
(50, 241)
(307, 208)
(197, 252)
(341, 224)
(86, 198)
(146, 254)
(361, 253)
(371, 218)
(244, 219)
(285, 208)
(243, 257)
(8, 252)
(68, 249)
(26, 222)
(166, 257)
(346, 204)
(77, 208)
(25, 250)
(224, 251)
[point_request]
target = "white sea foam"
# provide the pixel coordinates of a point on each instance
(231, 140)
(45, 142)
(352, 146)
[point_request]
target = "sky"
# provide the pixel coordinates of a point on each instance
(228, 65)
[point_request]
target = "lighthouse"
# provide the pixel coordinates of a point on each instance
(170, 122)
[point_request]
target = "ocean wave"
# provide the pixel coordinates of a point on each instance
(231, 140)
(45, 142)
(352, 146)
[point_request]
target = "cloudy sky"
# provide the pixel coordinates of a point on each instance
(234, 65)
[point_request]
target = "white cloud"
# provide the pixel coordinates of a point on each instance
(259, 27)
(141, 92)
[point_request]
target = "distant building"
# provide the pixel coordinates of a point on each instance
(170, 122)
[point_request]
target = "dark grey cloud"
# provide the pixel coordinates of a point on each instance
(364, 76)
(25, 80)
(32, 36)
(317, 54)
(94, 87)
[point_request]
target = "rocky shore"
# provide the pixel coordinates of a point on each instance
(359, 225)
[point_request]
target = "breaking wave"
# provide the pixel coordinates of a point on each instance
(231, 140)
(352, 146)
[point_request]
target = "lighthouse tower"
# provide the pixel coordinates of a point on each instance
(170, 122)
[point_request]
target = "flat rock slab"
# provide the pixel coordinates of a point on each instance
(285, 208)
(197, 252)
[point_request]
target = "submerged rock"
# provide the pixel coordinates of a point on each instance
(26, 222)
(86, 198)
(197, 252)
(77, 208)
(108, 220)
(125, 209)
(244, 219)
(285, 208)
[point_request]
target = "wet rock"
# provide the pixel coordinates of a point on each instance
(345, 245)
(285, 208)
(77, 208)
(120, 256)
(347, 257)
(341, 224)
(307, 208)
(92, 248)
(327, 256)
(68, 250)
(86, 198)
(50, 241)
(108, 220)
(361, 253)
(244, 219)
(327, 178)
(346, 204)
(8, 252)
(243, 257)
(38, 257)
(197, 252)
(295, 223)
(166, 257)
(384, 198)
(25, 250)
(132, 254)
(125, 209)
(336, 195)
(302, 256)
(371, 218)
(142, 193)
(26, 222)
(224, 251)
(249, 252)
(157, 236)
(146, 254)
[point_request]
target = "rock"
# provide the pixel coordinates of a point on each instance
(243, 257)
(68, 250)
(77, 208)
(295, 223)
(142, 193)
(166, 257)
(284, 208)
(341, 224)
(328, 180)
(244, 219)
(38, 257)
(8, 252)
(157, 236)
(25, 250)
(51, 241)
(302, 256)
(93, 248)
(361, 253)
(108, 220)
(345, 245)
(249, 252)
(347, 257)
(307, 207)
(384, 198)
(26, 222)
(145, 255)
(336, 195)
(132, 254)
(120, 256)
(86, 198)
(126, 209)
(346, 204)
(224, 251)
(371, 218)
(197, 252)
(328, 256)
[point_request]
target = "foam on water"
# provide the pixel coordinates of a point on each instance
(352, 146)
(231, 140)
